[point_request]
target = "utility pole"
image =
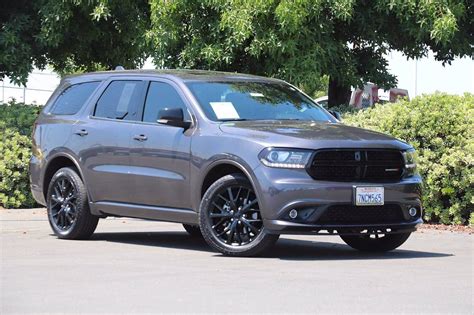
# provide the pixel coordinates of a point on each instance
(416, 77)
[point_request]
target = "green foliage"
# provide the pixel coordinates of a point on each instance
(300, 41)
(307, 42)
(14, 182)
(317, 88)
(19, 116)
(16, 121)
(71, 35)
(345, 109)
(440, 128)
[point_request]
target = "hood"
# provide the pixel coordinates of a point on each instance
(311, 135)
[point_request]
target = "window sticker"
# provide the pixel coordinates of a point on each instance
(224, 110)
(125, 97)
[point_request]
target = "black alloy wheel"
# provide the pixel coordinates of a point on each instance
(231, 220)
(235, 215)
(63, 204)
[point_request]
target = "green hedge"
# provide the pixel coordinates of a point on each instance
(441, 128)
(16, 121)
(19, 116)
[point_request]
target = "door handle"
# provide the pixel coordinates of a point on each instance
(81, 132)
(140, 138)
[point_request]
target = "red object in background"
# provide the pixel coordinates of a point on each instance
(375, 94)
(396, 93)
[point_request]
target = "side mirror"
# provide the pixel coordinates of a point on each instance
(173, 117)
(336, 115)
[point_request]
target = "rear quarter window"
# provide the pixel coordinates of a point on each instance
(72, 99)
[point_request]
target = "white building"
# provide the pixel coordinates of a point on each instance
(38, 89)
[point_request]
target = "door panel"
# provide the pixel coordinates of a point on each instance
(160, 167)
(105, 158)
(104, 140)
(160, 155)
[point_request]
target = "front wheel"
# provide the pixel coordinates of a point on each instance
(375, 242)
(230, 218)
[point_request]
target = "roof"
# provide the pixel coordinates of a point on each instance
(180, 74)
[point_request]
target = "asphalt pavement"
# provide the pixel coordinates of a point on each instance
(137, 266)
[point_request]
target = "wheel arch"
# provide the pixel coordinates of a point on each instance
(55, 163)
(224, 167)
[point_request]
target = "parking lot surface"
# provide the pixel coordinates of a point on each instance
(135, 266)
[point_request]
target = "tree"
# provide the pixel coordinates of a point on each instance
(302, 40)
(307, 42)
(71, 35)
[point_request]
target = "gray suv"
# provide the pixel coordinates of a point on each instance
(237, 159)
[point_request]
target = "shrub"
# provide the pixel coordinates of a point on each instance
(14, 184)
(440, 128)
(16, 121)
(19, 116)
(344, 109)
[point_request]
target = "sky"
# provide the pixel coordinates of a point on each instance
(427, 75)
(422, 76)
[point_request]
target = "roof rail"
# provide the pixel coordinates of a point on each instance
(118, 68)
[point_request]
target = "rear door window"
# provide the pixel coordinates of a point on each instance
(71, 100)
(120, 100)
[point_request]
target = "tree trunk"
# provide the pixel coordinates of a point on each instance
(338, 94)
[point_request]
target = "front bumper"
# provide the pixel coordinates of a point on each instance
(281, 190)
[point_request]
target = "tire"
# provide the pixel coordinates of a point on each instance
(230, 223)
(369, 243)
(68, 208)
(193, 230)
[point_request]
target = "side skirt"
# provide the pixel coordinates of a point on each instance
(104, 208)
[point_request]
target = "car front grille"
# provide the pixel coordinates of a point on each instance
(357, 165)
(349, 214)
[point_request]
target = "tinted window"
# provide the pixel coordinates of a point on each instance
(162, 95)
(73, 98)
(119, 100)
(255, 101)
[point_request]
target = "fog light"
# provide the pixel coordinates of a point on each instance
(412, 212)
(293, 213)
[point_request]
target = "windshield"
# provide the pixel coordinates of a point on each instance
(227, 101)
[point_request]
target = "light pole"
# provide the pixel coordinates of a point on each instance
(416, 77)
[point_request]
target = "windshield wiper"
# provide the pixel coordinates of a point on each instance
(290, 119)
(276, 119)
(233, 119)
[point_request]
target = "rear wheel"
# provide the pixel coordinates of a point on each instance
(375, 242)
(193, 230)
(68, 208)
(230, 218)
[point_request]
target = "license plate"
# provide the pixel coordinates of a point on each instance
(369, 196)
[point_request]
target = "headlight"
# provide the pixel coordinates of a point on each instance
(410, 160)
(285, 158)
